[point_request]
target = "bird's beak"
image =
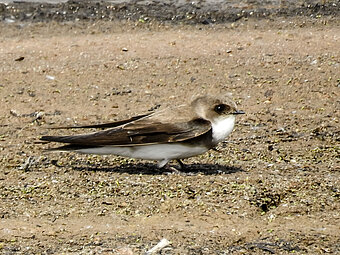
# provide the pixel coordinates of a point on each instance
(238, 112)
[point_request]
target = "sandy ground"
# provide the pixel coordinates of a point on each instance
(273, 187)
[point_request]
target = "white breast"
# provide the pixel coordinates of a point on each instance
(222, 127)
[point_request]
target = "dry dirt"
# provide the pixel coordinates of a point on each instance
(273, 187)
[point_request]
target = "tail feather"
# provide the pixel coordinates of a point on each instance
(50, 138)
(59, 139)
(65, 139)
(71, 147)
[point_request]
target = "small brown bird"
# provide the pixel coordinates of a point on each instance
(174, 133)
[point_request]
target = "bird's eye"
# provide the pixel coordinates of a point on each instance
(220, 108)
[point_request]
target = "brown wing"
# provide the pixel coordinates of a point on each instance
(107, 125)
(141, 132)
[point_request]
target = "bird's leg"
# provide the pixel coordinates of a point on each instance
(162, 163)
(181, 165)
(170, 169)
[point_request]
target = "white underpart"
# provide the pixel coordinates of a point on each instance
(160, 152)
(222, 127)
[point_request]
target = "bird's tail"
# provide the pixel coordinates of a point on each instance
(67, 147)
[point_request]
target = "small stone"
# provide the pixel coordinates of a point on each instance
(14, 113)
(50, 77)
(19, 59)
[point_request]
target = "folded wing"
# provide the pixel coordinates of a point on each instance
(140, 132)
(107, 125)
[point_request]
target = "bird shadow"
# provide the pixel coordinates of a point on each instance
(152, 169)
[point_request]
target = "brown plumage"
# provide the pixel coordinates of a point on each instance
(185, 125)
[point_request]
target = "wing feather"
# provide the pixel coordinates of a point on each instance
(138, 133)
(107, 125)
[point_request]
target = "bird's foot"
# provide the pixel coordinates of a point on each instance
(179, 170)
(169, 170)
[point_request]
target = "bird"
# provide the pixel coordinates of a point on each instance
(174, 133)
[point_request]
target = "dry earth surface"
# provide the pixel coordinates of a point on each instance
(272, 187)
